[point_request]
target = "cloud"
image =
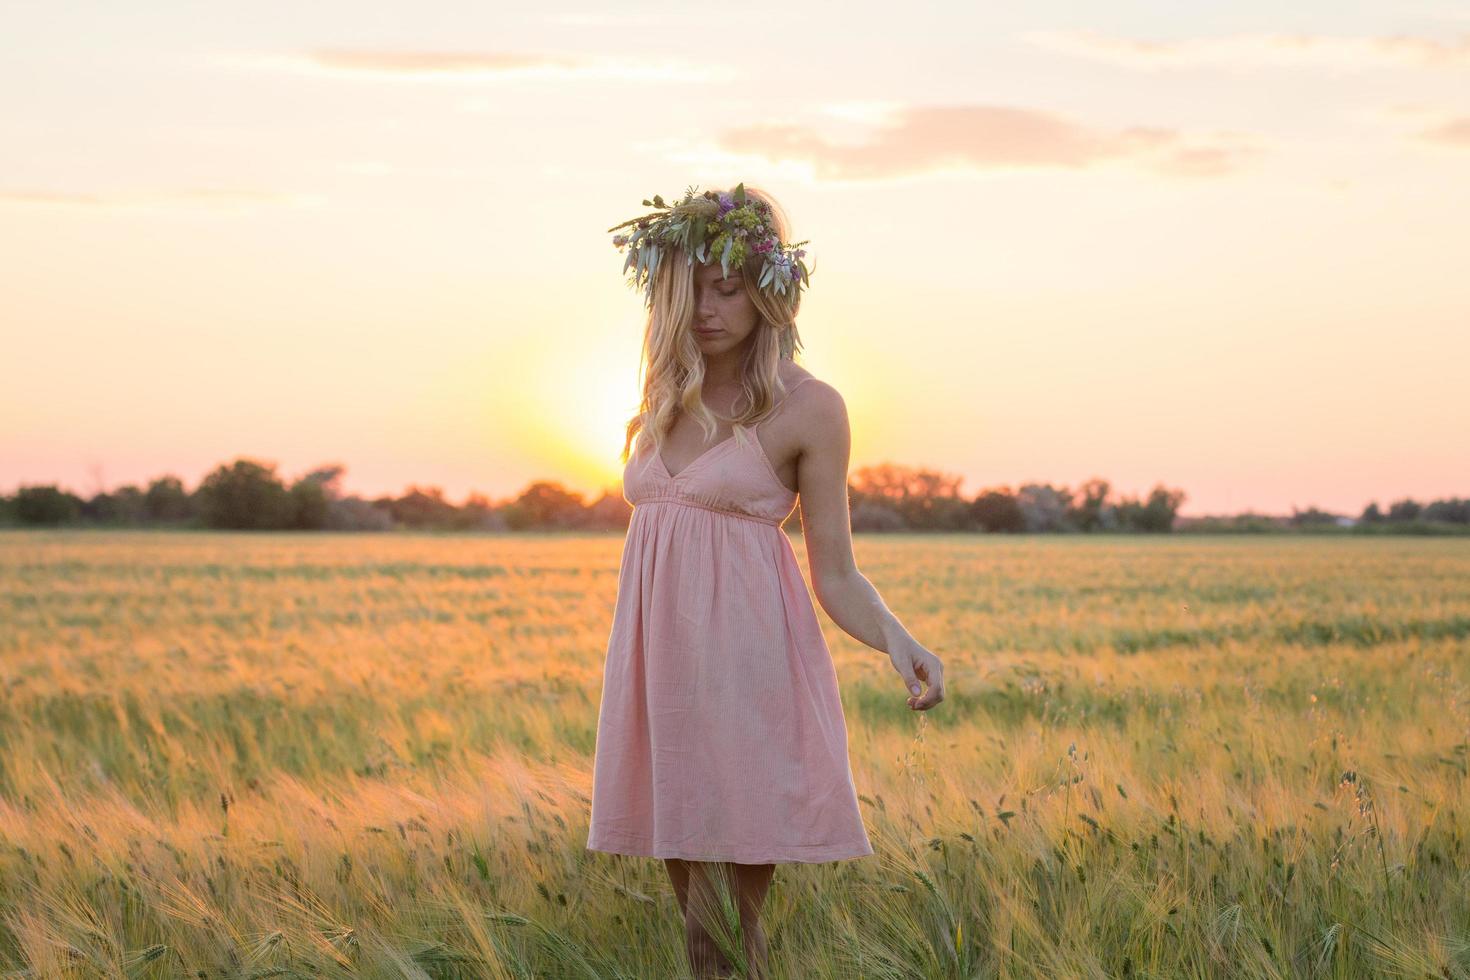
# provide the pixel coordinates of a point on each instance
(401, 64)
(927, 139)
(871, 113)
(205, 199)
(614, 18)
(1260, 50)
(432, 61)
(382, 168)
(1421, 122)
(1454, 132)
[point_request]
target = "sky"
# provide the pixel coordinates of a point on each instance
(1218, 247)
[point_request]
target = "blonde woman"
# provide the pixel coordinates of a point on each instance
(721, 743)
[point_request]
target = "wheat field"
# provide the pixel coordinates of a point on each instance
(277, 755)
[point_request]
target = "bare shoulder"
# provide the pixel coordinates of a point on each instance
(821, 409)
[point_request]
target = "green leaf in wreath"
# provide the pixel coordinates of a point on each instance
(725, 257)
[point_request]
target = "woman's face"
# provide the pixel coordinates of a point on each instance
(723, 312)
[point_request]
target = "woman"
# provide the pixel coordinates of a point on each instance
(721, 743)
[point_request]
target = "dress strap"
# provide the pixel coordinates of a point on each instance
(782, 403)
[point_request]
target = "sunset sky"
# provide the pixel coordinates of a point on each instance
(1222, 247)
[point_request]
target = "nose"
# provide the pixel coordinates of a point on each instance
(702, 306)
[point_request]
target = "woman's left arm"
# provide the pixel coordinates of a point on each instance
(844, 592)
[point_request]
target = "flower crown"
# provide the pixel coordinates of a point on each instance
(731, 226)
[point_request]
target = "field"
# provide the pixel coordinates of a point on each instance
(327, 755)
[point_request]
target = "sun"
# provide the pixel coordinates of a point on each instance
(592, 424)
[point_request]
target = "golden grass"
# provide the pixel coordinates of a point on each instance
(276, 755)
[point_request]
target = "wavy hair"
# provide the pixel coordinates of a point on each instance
(672, 365)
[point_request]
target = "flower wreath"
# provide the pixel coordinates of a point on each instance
(731, 226)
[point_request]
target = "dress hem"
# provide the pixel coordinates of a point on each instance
(780, 854)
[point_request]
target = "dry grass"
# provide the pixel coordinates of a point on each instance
(278, 755)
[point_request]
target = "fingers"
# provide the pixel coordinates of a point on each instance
(914, 689)
(922, 668)
(910, 679)
(934, 673)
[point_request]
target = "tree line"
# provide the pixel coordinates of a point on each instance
(248, 494)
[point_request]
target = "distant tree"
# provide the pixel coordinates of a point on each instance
(925, 499)
(123, 506)
(1247, 523)
(329, 478)
(46, 505)
(875, 515)
(939, 504)
(998, 511)
(1162, 507)
(245, 495)
(357, 514)
(309, 506)
(1093, 512)
(609, 511)
(1452, 511)
(1404, 510)
(1044, 507)
(1311, 517)
(1371, 514)
(477, 513)
(312, 496)
(1156, 514)
(545, 505)
(98, 509)
(423, 508)
(883, 483)
(167, 502)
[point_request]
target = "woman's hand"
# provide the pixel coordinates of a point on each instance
(914, 663)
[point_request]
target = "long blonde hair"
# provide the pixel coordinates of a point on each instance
(672, 364)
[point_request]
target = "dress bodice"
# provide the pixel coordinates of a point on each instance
(732, 476)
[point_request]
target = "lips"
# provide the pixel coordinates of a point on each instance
(708, 333)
